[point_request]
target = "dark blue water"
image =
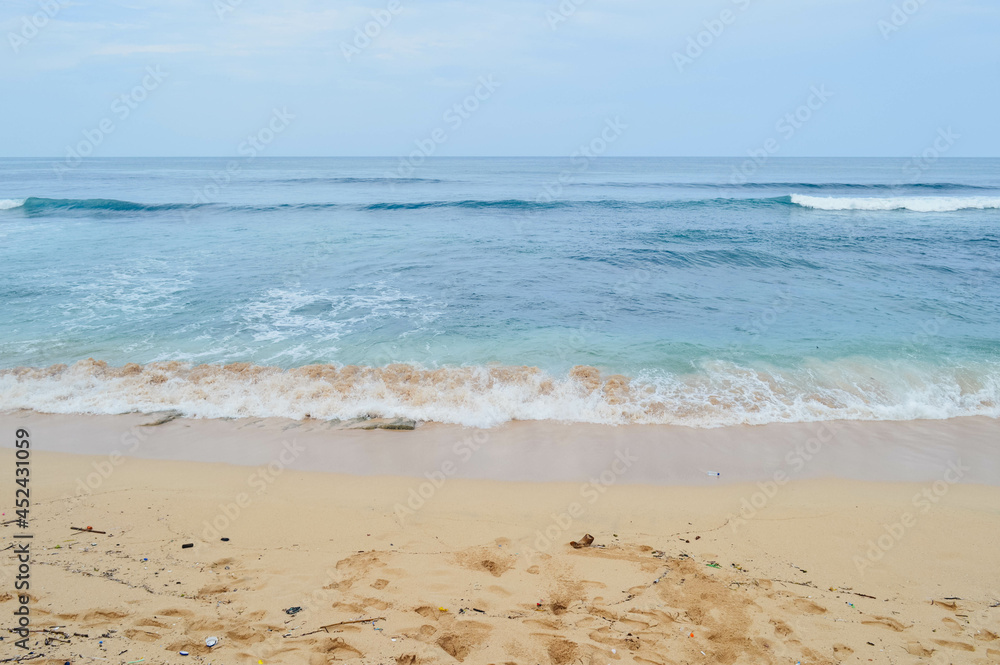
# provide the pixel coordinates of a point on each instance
(814, 289)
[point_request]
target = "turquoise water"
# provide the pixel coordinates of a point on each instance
(811, 289)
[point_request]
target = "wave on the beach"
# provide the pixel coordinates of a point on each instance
(913, 203)
(716, 394)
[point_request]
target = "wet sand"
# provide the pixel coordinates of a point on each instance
(544, 451)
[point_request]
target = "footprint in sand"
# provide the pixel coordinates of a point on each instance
(658, 617)
(222, 563)
(494, 561)
(885, 622)
(917, 649)
(205, 626)
(355, 567)
(98, 617)
(985, 635)
(335, 648)
(463, 639)
(350, 608)
(150, 623)
(246, 634)
(842, 650)
(955, 626)
(563, 651)
(141, 635)
(428, 612)
(617, 638)
(781, 628)
(960, 646)
(640, 659)
(379, 605)
(542, 623)
(808, 606)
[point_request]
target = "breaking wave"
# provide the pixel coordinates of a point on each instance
(914, 203)
(715, 394)
(814, 186)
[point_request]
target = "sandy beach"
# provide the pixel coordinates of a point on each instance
(462, 559)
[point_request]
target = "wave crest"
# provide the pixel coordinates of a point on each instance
(913, 203)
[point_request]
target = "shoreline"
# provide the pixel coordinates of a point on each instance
(545, 451)
(710, 394)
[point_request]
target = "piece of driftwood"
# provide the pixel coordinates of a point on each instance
(77, 528)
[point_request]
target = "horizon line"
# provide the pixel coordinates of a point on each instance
(437, 157)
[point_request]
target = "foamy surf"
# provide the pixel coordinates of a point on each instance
(717, 394)
(912, 203)
(7, 204)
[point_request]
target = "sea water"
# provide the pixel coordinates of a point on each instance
(700, 292)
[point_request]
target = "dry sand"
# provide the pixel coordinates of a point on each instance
(479, 570)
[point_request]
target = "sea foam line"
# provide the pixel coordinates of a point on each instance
(717, 394)
(913, 203)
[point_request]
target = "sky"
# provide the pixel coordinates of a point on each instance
(488, 77)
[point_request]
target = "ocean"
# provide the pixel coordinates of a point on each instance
(696, 292)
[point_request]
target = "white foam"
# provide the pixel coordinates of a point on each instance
(914, 203)
(717, 394)
(7, 204)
